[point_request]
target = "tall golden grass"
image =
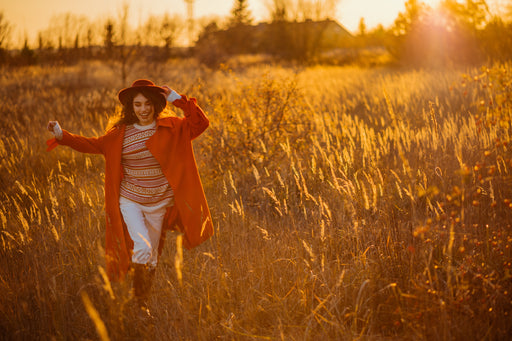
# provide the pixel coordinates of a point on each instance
(348, 204)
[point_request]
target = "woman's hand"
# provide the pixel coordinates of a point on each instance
(167, 90)
(54, 127)
(170, 94)
(51, 125)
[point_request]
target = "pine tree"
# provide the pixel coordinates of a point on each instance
(240, 14)
(109, 37)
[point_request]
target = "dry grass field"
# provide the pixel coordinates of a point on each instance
(347, 203)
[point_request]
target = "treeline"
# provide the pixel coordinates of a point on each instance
(70, 38)
(301, 31)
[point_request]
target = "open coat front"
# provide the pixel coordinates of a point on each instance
(171, 145)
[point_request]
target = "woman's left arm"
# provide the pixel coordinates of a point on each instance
(195, 118)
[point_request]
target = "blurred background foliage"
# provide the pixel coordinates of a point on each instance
(454, 33)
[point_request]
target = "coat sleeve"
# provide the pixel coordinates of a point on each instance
(90, 145)
(195, 119)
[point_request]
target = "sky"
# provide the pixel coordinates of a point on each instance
(31, 16)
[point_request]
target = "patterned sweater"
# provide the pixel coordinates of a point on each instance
(143, 181)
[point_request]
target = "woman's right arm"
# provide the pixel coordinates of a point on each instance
(195, 118)
(92, 145)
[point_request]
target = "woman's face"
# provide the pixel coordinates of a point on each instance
(143, 109)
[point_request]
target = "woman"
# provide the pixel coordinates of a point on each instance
(151, 179)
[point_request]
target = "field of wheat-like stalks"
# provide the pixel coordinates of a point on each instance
(347, 203)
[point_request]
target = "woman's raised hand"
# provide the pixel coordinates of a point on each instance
(55, 128)
(52, 124)
(167, 90)
(170, 94)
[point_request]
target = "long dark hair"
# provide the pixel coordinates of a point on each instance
(127, 116)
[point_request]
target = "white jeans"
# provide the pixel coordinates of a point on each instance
(144, 225)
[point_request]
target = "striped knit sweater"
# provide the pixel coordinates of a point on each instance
(143, 181)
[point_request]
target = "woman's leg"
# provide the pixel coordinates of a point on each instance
(133, 217)
(154, 217)
(144, 225)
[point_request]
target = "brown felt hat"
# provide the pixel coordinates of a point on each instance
(143, 84)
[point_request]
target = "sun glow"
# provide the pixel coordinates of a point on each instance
(382, 12)
(432, 3)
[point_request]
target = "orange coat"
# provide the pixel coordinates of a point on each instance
(171, 145)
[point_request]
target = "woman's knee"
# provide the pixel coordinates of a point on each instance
(142, 253)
